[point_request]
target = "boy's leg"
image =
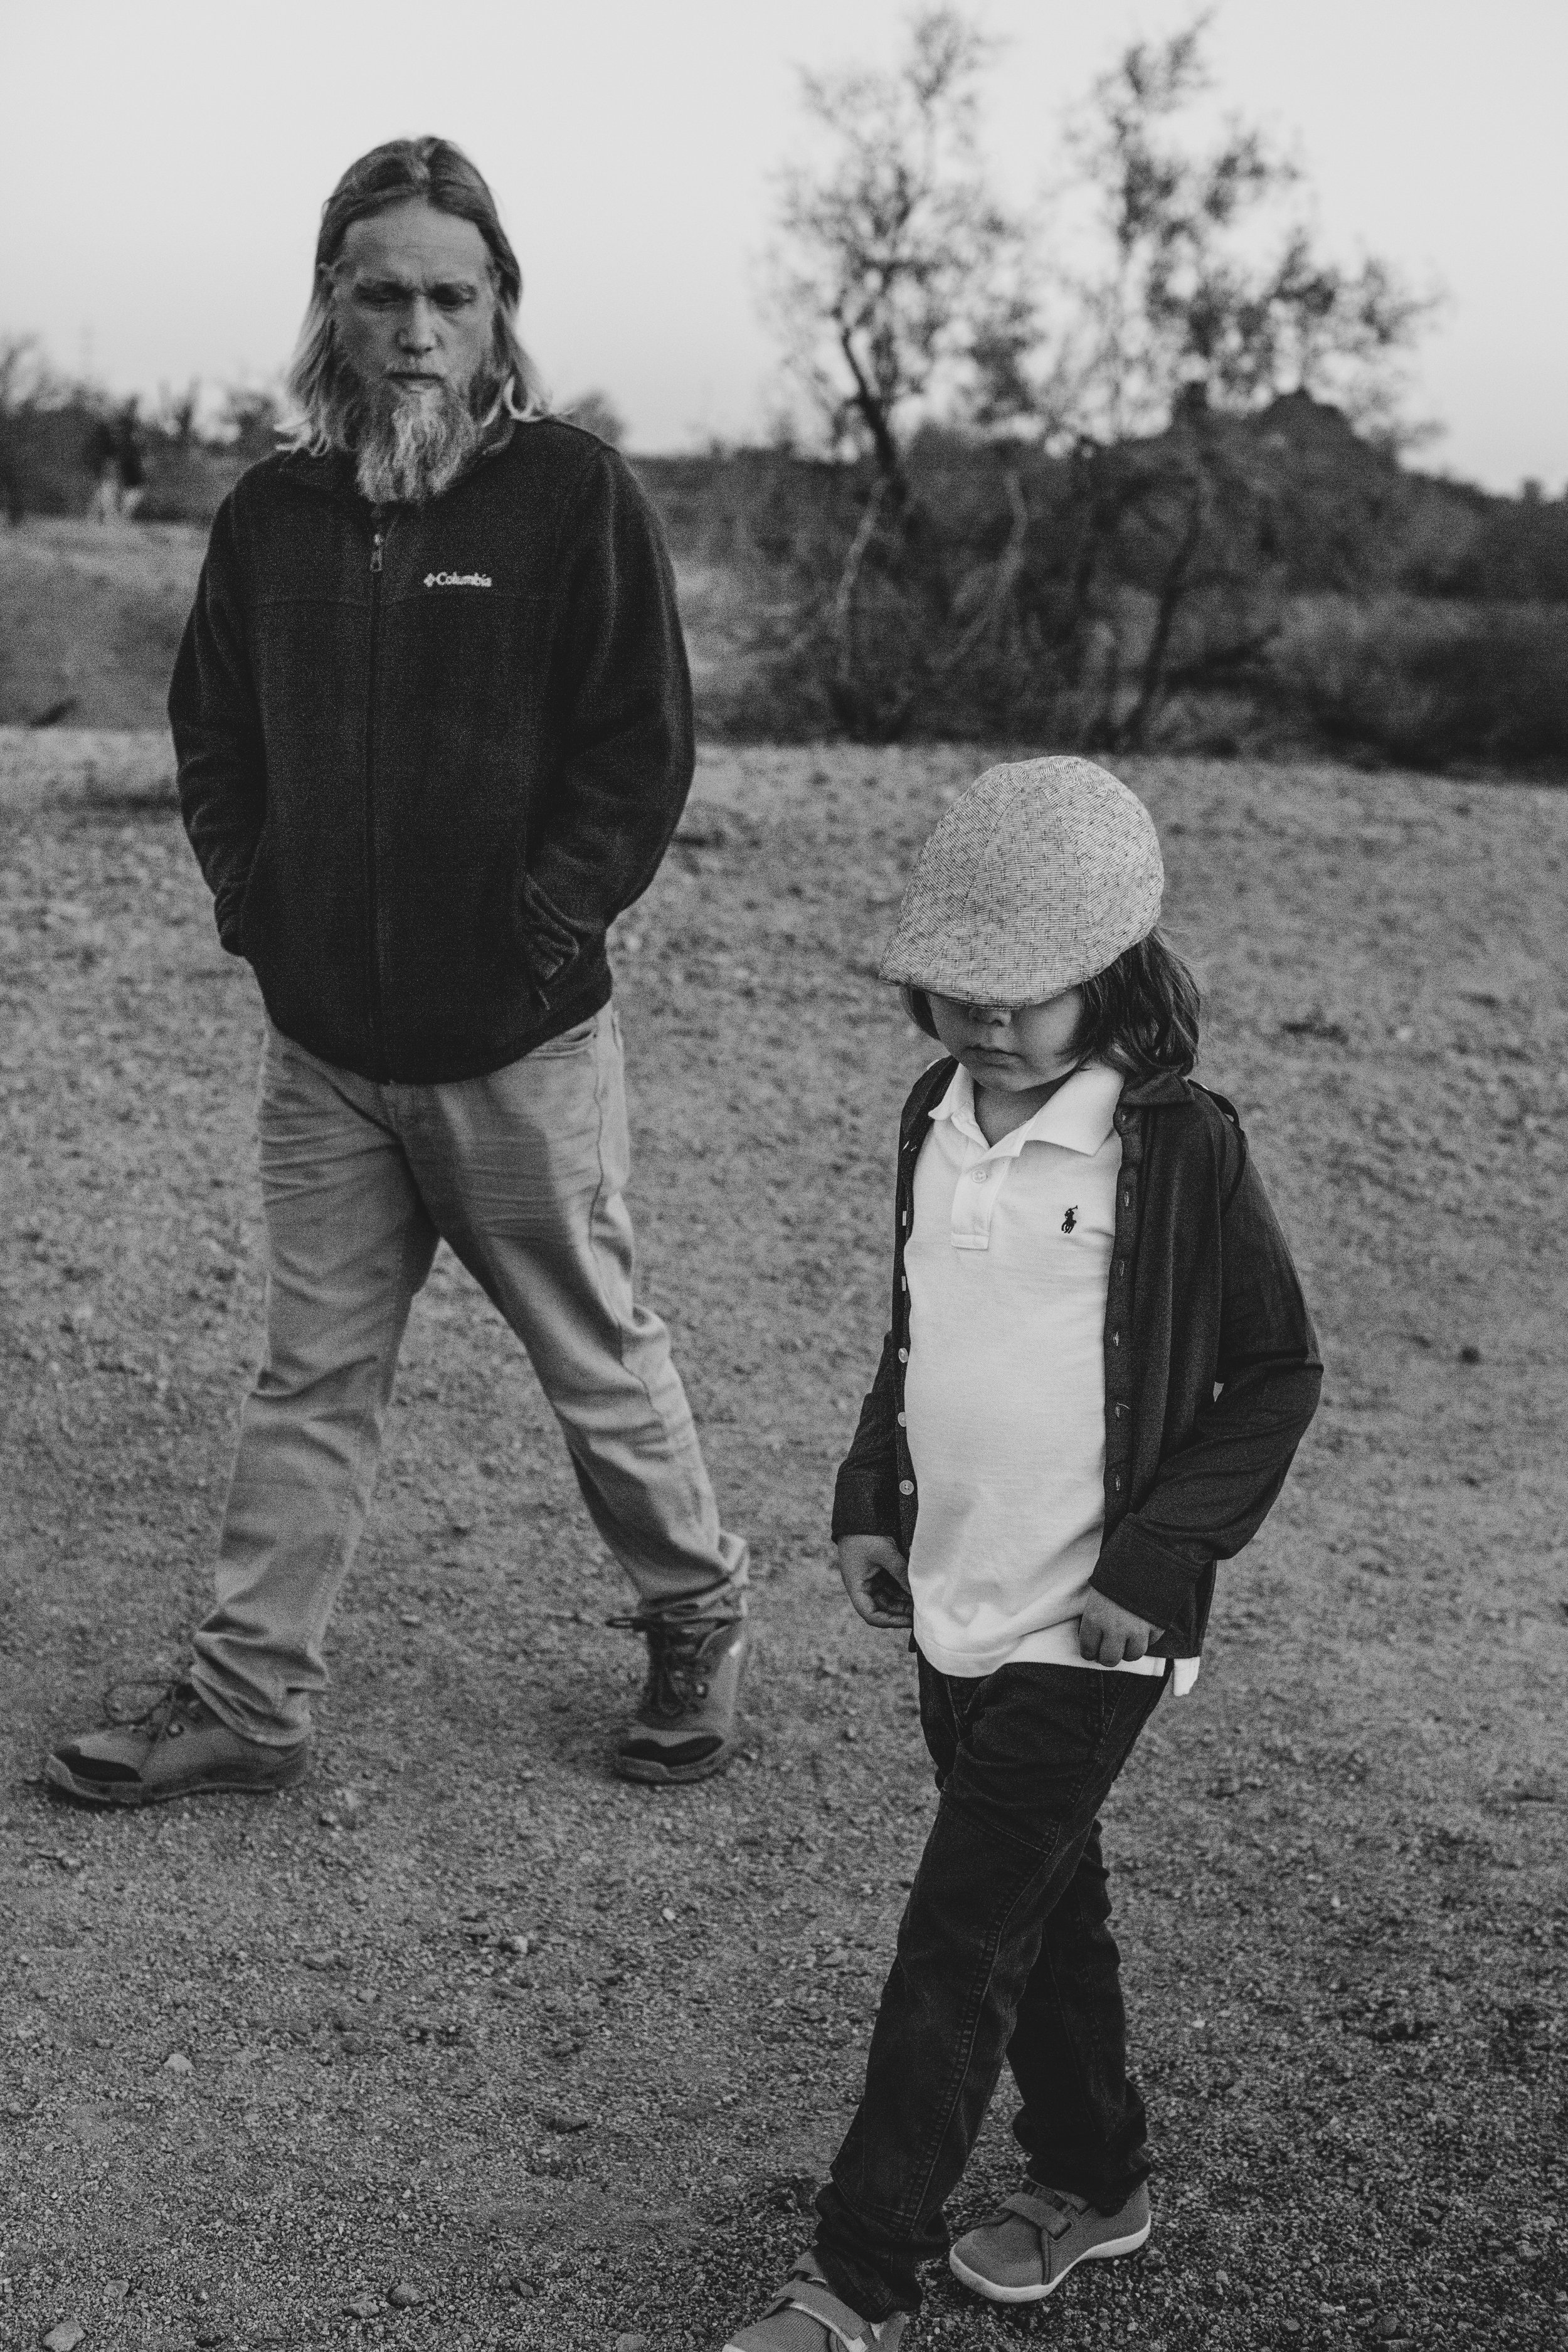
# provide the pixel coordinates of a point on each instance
(523, 1174)
(1081, 2126)
(1035, 1750)
(348, 1244)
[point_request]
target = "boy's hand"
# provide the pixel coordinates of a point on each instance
(1109, 1636)
(877, 1578)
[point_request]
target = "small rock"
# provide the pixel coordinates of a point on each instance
(668, 1916)
(364, 2306)
(65, 2337)
(116, 2290)
(1469, 1353)
(631, 2344)
(404, 2297)
(176, 2063)
(559, 2120)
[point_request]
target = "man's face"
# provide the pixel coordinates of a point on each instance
(413, 303)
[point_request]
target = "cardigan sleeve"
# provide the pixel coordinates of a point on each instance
(1212, 1491)
(866, 1492)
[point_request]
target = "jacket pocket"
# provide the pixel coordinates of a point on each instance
(548, 941)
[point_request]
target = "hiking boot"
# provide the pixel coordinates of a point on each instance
(175, 1747)
(1020, 2254)
(805, 2316)
(685, 1728)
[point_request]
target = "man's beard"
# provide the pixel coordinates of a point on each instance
(411, 443)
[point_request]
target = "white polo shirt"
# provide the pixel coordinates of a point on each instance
(1008, 1262)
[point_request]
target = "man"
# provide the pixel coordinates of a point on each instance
(433, 724)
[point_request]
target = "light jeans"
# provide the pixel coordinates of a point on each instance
(521, 1173)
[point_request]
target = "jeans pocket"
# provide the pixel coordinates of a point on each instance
(574, 1040)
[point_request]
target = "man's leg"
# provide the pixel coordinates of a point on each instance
(1035, 1750)
(348, 1244)
(522, 1172)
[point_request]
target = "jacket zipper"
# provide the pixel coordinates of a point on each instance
(378, 1022)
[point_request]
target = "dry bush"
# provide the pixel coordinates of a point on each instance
(1427, 683)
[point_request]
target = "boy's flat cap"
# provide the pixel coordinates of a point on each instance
(1040, 875)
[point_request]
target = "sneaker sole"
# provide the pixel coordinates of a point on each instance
(129, 1796)
(995, 2293)
(648, 1770)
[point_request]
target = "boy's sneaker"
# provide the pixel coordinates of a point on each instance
(1020, 2254)
(805, 2316)
(175, 1747)
(685, 1728)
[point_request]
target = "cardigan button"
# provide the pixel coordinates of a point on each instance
(906, 1485)
(904, 1355)
(903, 1420)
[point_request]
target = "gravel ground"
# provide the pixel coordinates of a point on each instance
(465, 2043)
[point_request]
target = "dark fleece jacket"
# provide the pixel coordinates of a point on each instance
(427, 754)
(1212, 1371)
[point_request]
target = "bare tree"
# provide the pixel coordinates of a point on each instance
(900, 283)
(906, 294)
(1202, 274)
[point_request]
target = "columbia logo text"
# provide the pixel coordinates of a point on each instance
(457, 580)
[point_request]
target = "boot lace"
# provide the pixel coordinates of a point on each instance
(170, 1701)
(675, 1680)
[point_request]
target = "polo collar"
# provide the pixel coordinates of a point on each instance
(1079, 1116)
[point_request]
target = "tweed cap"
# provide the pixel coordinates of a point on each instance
(1037, 879)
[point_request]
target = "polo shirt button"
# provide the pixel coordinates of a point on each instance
(906, 1485)
(904, 1355)
(1116, 1339)
(903, 1420)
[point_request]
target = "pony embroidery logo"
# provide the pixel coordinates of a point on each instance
(458, 579)
(1070, 1219)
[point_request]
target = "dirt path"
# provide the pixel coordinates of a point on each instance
(265, 2061)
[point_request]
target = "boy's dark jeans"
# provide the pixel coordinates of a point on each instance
(1004, 1950)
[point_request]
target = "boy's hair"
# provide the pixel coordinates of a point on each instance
(1139, 1014)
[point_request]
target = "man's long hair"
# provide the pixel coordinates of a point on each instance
(404, 171)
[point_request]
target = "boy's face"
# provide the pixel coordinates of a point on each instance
(1011, 1050)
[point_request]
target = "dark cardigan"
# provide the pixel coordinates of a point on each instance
(1212, 1370)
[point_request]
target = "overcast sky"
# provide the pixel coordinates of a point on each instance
(162, 165)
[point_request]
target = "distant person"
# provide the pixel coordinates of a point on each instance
(433, 724)
(130, 465)
(112, 455)
(1099, 1368)
(100, 455)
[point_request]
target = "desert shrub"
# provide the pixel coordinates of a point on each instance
(1426, 683)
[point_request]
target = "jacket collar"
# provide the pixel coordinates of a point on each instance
(1154, 1093)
